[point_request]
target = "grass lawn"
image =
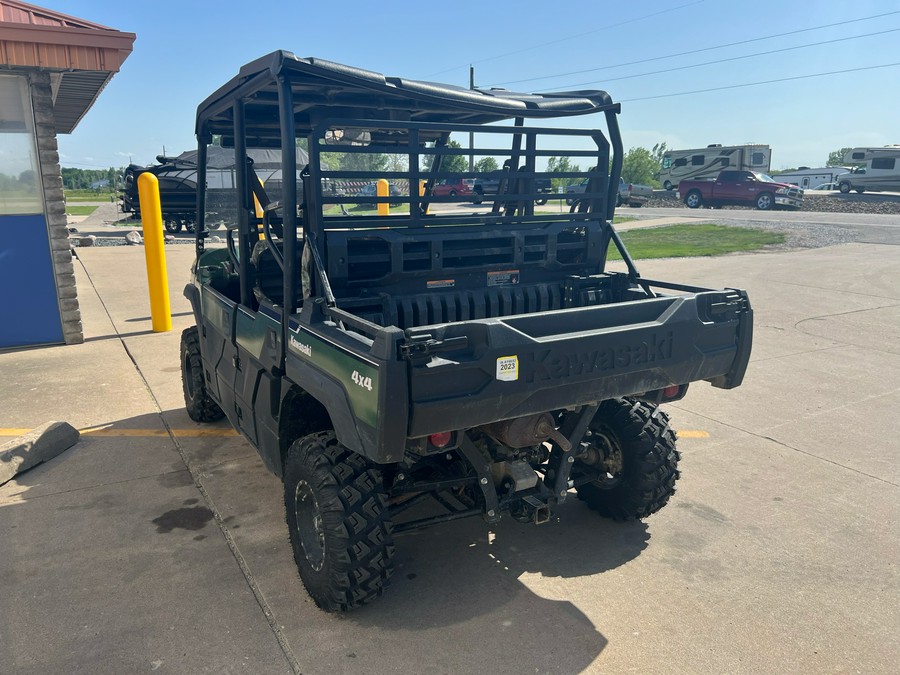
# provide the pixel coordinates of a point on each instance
(691, 240)
(90, 196)
(79, 210)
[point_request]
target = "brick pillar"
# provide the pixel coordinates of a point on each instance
(55, 207)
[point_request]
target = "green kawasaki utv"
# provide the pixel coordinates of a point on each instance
(440, 360)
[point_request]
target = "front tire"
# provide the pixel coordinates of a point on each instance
(173, 225)
(642, 462)
(693, 199)
(844, 187)
(200, 407)
(765, 201)
(337, 517)
(668, 185)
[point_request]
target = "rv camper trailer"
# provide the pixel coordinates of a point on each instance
(880, 171)
(678, 165)
(807, 178)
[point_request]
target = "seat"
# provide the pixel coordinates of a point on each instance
(268, 283)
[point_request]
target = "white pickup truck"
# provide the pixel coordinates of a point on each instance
(633, 194)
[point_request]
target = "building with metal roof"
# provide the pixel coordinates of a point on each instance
(52, 69)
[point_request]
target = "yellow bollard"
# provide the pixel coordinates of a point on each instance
(383, 190)
(422, 194)
(154, 251)
(258, 209)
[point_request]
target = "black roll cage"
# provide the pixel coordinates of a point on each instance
(279, 95)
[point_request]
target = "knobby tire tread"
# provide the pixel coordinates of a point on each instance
(201, 407)
(359, 546)
(650, 460)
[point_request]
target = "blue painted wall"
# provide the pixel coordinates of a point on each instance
(29, 311)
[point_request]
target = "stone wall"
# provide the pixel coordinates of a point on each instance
(55, 207)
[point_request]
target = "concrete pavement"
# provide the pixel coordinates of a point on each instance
(159, 545)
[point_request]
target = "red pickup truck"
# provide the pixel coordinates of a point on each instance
(747, 188)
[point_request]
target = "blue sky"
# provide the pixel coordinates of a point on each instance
(185, 50)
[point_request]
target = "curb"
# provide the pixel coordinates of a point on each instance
(39, 445)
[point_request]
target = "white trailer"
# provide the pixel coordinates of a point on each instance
(699, 163)
(807, 178)
(881, 170)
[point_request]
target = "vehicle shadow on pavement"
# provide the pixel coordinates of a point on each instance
(470, 595)
(510, 592)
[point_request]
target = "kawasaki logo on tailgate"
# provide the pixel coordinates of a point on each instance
(546, 365)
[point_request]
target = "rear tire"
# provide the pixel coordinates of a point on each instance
(200, 407)
(693, 199)
(860, 190)
(643, 445)
(337, 517)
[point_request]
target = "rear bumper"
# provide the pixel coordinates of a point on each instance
(528, 364)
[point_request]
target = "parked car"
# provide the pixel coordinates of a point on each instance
(826, 186)
(633, 194)
(371, 190)
(573, 190)
(745, 188)
(451, 187)
(489, 183)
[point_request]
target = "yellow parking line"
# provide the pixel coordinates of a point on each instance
(692, 433)
(108, 432)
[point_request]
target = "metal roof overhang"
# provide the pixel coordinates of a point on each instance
(323, 89)
(81, 59)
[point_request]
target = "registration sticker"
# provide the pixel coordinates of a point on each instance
(508, 368)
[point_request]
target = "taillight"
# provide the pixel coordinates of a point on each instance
(671, 392)
(442, 439)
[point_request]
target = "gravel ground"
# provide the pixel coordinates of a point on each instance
(822, 203)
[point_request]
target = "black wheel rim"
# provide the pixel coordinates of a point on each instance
(309, 525)
(188, 377)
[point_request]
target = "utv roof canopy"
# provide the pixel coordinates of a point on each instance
(326, 90)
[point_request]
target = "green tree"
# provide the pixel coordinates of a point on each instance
(450, 163)
(657, 153)
(639, 166)
(486, 164)
(836, 158)
(363, 161)
(562, 165)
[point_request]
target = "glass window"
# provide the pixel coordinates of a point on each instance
(20, 175)
(883, 163)
(681, 161)
(698, 160)
(667, 162)
(758, 158)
